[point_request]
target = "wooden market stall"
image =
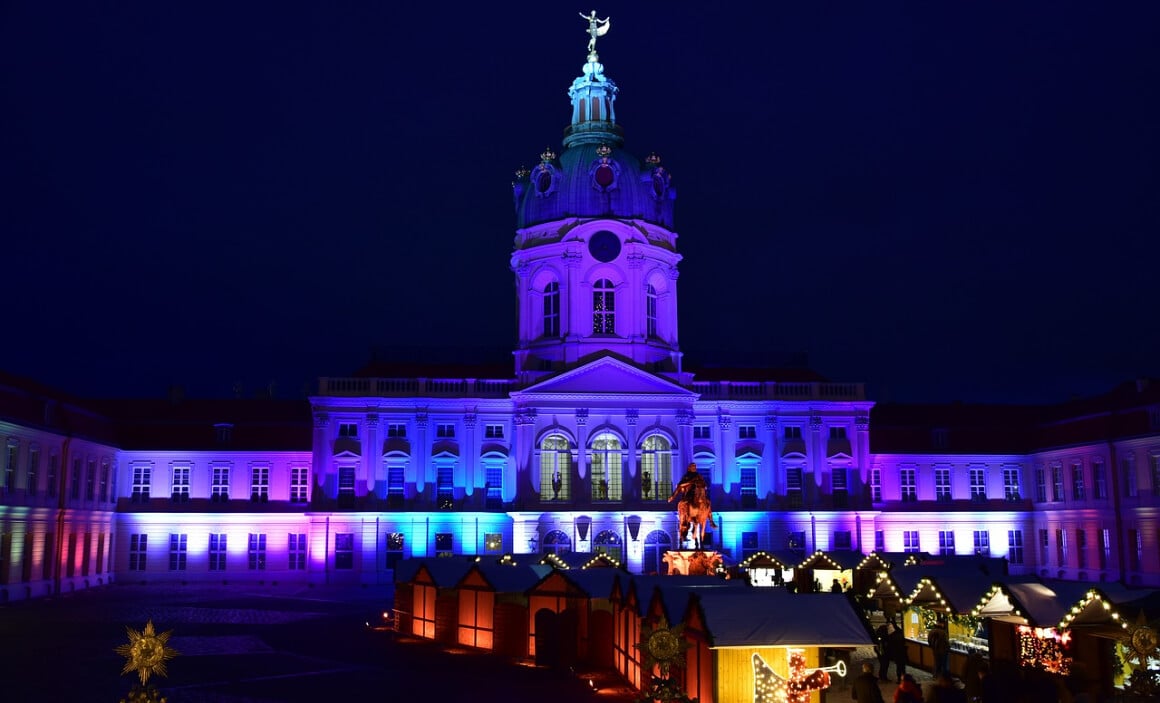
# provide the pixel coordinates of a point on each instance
(435, 600)
(493, 606)
(765, 570)
(949, 593)
(580, 560)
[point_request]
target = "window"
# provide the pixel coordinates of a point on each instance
(1057, 484)
(1043, 546)
(296, 547)
(837, 433)
(603, 308)
(344, 550)
(219, 491)
(946, 542)
(1154, 460)
(75, 481)
(493, 542)
(793, 486)
(908, 486)
(796, 542)
(1128, 468)
(1077, 487)
(178, 552)
(141, 480)
(180, 492)
(395, 491)
(656, 464)
(444, 544)
(702, 432)
(445, 486)
(493, 432)
(748, 487)
(1040, 485)
(33, 468)
(346, 486)
(942, 483)
(1015, 546)
(910, 541)
(839, 478)
(1081, 549)
(1135, 549)
(260, 483)
(445, 430)
(1061, 548)
(842, 539)
(53, 476)
(217, 552)
(104, 493)
(348, 430)
(978, 483)
(397, 431)
(747, 432)
(257, 552)
(983, 543)
(749, 545)
(1011, 484)
(494, 498)
(876, 485)
(137, 552)
(608, 542)
(396, 542)
(650, 314)
(879, 541)
(794, 432)
(605, 456)
(299, 484)
(555, 468)
(91, 479)
(1099, 480)
(1105, 548)
(10, 466)
(552, 309)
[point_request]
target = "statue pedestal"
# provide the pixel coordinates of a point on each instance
(692, 562)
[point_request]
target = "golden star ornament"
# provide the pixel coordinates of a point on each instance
(147, 652)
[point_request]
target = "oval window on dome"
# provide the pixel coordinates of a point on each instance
(544, 181)
(604, 176)
(659, 185)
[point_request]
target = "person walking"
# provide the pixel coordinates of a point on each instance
(882, 634)
(866, 688)
(908, 690)
(896, 650)
(938, 638)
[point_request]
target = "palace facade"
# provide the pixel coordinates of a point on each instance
(574, 448)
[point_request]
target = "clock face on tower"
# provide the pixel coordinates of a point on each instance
(604, 246)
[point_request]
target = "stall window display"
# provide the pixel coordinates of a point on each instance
(1045, 648)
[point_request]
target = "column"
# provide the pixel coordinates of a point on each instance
(817, 454)
(470, 452)
(523, 453)
(321, 452)
(768, 480)
(372, 450)
(584, 483)
(421, 449)
(726, 451)
(684, 456)
(631, 486)
(861, 449)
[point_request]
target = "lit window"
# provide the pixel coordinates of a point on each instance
(982, 543)
(299, 484)
(946, 542)
(908, 486)
(178, 552)
(942, 483)
(605, 456)
(257, 552)
(1011, 484)
(1057, 484)
(217, 552)
(1078, 491)
(555, 468)
(603, 307)
(608, 542)
(344, 550)
(296, 548)
(876, 485)
(656, 463)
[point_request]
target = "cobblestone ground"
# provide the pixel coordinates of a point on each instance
(256, 645)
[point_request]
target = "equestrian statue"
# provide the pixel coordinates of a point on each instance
(693, 509)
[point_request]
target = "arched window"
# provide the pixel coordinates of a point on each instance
(650, 307)
(656, 543)
(555, 468)
(552, 309)
(556, 542)
(603, 307)
(606, 463)
(609, 543)
(656, 468)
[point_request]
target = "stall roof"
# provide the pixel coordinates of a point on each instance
(764, 560)
(772, 617)
(579, 560)
(597, 583)
(505, 578)
(835, 559)
(960, 587)
(674, 592)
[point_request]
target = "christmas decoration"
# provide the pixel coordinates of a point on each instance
(770, 687)
(146, 653)
(663, 648)
(1044, 648)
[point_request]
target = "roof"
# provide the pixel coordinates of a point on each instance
(840, 558)
(507, 578)
(773, 617)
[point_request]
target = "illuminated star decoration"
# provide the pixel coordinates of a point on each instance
(663, 646)
(770, 687)
(1142, 641)
(146, 652)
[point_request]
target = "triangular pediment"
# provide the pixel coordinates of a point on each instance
(607, 375)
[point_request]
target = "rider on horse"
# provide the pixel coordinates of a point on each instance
(693, 506)
(688, 485)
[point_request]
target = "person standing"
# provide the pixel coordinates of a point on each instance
(940, 645)
(882, 634)
(896, 650)
(866, 688)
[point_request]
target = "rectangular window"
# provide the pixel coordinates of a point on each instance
(702, 432)
(444, 544)
(395, 474)
(748, 488)
(344, 550)
(603, 308)
(839, 480)
(257, 552)
(346, 486)
(396, 541)
(444, 486)
(793, 486)
(493, 431)
(1040, 485)
(53, 476)
(348, 430)
(493, 542)
(48, 558)
(217, 552)
(796, 542)
(296, 546)
(100, 554)
(879, 541)
(260, 483)
(749, 544)
(494, 498)
(1077, 485)
(299, 484)
(1131, 486)
(91, 479)
(397, 431)
(552, 309)
(1061, 548)
(10, 466)
(1044, 545)
(219, 490)
(1057, 484)
(33, 468)
(876, 485)
(747, 432)
(104, 493)
(137, 551)
(942, 484)
(1154, 460)
(978, 483)
(1081, 549)
(1135, 549)
(180, 484)
(75, 481)
(842, 539)
(908, 485)
(445, 431)
(1099, 480)
(983, 543)
(793, 432)
(1015, 546)
(946, 542)
(837, 433)
(141, 479)
(1011, 484)
(910, 541)
(178, 552)
(1105, 548)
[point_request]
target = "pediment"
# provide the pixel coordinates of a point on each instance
(607, 375)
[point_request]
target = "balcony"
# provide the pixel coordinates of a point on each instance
(409, 387)
(771, 390)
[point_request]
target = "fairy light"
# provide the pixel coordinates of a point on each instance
(1044, 648)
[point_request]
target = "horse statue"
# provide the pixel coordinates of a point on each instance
(694, 509)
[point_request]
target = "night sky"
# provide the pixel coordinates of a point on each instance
(948, 201)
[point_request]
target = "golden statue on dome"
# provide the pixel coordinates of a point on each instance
(596, 28)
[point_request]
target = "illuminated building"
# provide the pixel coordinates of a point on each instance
(576, 448)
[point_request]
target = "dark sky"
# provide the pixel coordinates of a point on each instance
(945, 200)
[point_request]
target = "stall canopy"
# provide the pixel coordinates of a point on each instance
(504, 578)
(580, 560)
(834, 560)
(777, 618)
(951, 589)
